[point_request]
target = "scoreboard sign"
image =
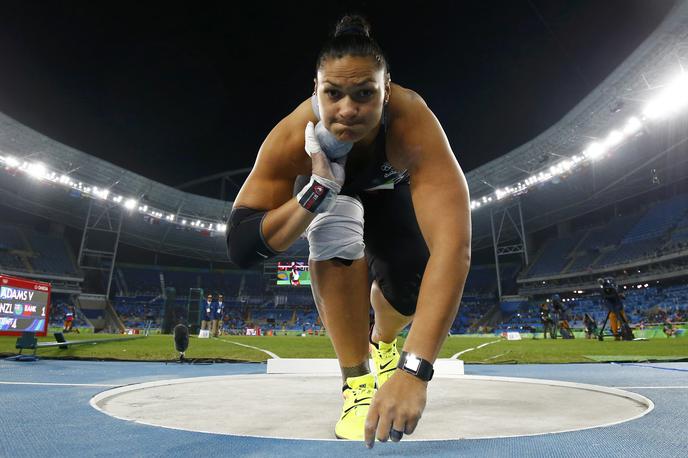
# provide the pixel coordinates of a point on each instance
(24, 306)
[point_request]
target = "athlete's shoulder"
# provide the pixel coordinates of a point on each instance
(404, 102)
(407, 112)
(284, 145)
(415, 134)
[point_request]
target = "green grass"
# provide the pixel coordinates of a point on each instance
(161, 347)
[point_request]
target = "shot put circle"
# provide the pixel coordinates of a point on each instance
(307, 407)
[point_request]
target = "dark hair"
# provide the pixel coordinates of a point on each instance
(351, 37)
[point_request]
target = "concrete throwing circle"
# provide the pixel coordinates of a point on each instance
(307, 407)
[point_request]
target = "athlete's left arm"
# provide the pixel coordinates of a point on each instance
(441, 202)
(442, 205)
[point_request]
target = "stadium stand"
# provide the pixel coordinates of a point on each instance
(482, 281)
(629, 251)
(25, 250)
(658, 219)
(553, 256)
(11, 239)
(643, 306)
(655, 230)
(51, 254)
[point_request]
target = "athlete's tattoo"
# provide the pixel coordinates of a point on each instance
(355, 371)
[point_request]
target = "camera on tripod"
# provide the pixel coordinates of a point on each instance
(613, 300)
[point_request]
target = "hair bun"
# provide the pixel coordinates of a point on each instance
(352, 25)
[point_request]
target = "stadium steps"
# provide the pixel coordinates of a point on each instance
(566, 268)
(493, 315)
(596, 260)
(533, 262)
(574, 250)
(25, 261)
(71, 255)
(100, 313)
(23, 255)
(25, 239)
(122, 282)
(582, 240)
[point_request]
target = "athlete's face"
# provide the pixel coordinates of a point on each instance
(351, 94)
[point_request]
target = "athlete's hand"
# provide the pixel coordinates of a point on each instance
(321, 164)
(398, 406)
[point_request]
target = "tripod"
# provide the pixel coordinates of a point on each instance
(626, 332)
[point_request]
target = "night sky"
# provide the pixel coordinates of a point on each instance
(178, 91)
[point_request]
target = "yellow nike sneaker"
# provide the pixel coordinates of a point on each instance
(385, 358)
(357, 399)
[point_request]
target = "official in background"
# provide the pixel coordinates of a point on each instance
(207, 312)
(218, 312)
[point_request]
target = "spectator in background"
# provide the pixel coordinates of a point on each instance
(207, 313)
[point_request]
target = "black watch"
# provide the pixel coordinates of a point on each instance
(408, 362)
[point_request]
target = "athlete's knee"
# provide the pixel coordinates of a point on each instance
(338, 234)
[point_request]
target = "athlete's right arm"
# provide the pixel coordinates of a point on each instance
(270, 185)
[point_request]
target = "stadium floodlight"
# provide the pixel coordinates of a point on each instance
(130, 204)
(594, 151)
(101, 193)
(613, 139)
(36, 170)
(12, 162)
(41, 172)
(633, 125)
(673, 98)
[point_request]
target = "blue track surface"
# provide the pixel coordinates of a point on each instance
(57, 420)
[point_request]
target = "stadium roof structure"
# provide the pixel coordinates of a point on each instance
(595, 184)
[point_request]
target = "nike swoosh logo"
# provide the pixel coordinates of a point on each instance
(261, 254)
(386, 364)
(356, 404)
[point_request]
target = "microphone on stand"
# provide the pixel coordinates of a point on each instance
(181, 340)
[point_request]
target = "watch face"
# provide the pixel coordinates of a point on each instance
(412, 363)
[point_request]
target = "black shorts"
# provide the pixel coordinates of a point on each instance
(395, 248)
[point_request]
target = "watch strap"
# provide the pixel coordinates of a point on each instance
(414, 365)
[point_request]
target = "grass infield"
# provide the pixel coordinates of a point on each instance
(528, 350)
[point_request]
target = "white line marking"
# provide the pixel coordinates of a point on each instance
(269, 353)
(653, 387)
(59, 384)
(474, 348)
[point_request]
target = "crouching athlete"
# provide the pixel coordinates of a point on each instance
(385, 207)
